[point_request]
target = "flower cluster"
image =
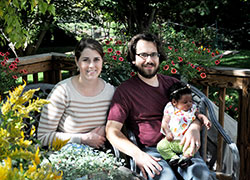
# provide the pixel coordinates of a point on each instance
(8, 73)
(83, 162)
(116, 68)
(231, 102)
(19, 157)
(190, 60)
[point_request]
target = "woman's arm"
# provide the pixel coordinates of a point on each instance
(51, 117)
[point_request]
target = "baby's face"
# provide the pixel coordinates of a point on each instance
(184, 103)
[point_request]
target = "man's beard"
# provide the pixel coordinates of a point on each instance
(146, 74)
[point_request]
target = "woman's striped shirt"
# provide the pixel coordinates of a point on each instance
(70, 114)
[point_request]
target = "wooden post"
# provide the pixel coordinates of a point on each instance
(204, 155)
(244, 130)
(35, 78)
(222, 94)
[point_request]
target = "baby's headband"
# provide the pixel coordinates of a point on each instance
(177, 90)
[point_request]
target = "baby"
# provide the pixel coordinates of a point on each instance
(179, 113)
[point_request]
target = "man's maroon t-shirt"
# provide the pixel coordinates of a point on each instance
(141, 106)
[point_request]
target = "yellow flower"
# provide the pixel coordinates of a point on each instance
(57, 144)
(37, 158)
(5, 168)
(32, 131)
(22, 142)
(14, 95)
(6, 107)
(26, 96)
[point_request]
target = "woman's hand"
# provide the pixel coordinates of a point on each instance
(192, 139)
(95, 138)
(148, 164)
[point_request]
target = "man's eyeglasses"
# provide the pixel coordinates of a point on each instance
(153, 55)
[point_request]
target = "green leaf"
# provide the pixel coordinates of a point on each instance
(52, 9)
(16, 3)
(43, 7)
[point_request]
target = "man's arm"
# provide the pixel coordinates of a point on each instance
(145, 162)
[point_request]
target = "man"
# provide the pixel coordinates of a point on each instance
(139, 102)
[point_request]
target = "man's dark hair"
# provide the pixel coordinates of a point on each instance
(147, 37)
(178, 89)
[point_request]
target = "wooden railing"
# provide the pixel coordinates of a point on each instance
(239, 79)
(51, 65)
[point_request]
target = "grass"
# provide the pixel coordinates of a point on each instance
(238, 60)
(65, 74)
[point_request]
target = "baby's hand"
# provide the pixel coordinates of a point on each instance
(207, 124)
(169, 136)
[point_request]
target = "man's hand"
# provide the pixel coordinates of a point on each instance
(192, 138)
(148, 164)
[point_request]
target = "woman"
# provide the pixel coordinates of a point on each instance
(78, 105)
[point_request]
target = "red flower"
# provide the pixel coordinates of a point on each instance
(121, 58)
(107, 42)
(110, 50)
(175, 50)
(236, 109)
(193, 42)
(3, 63)
(6, 58)
(172, 62)
(14, 63)
(170, 48)
(174, 71)
(17, 60)
(166, 67)
(203, 75)
(25, 71)
(1, 54)
(208, 50)
(114, 57)
(217, 62)
(118, 52)
(132, 74)
(7, 53)
(230, 106)
(11, 67)
(180, 59)
(119, 42)
(14, 77)
(212, 54)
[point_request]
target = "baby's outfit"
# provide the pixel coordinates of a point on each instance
(179, 122)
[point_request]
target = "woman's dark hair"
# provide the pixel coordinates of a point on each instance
(178, 89)
(147, 37)
(88, 43)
